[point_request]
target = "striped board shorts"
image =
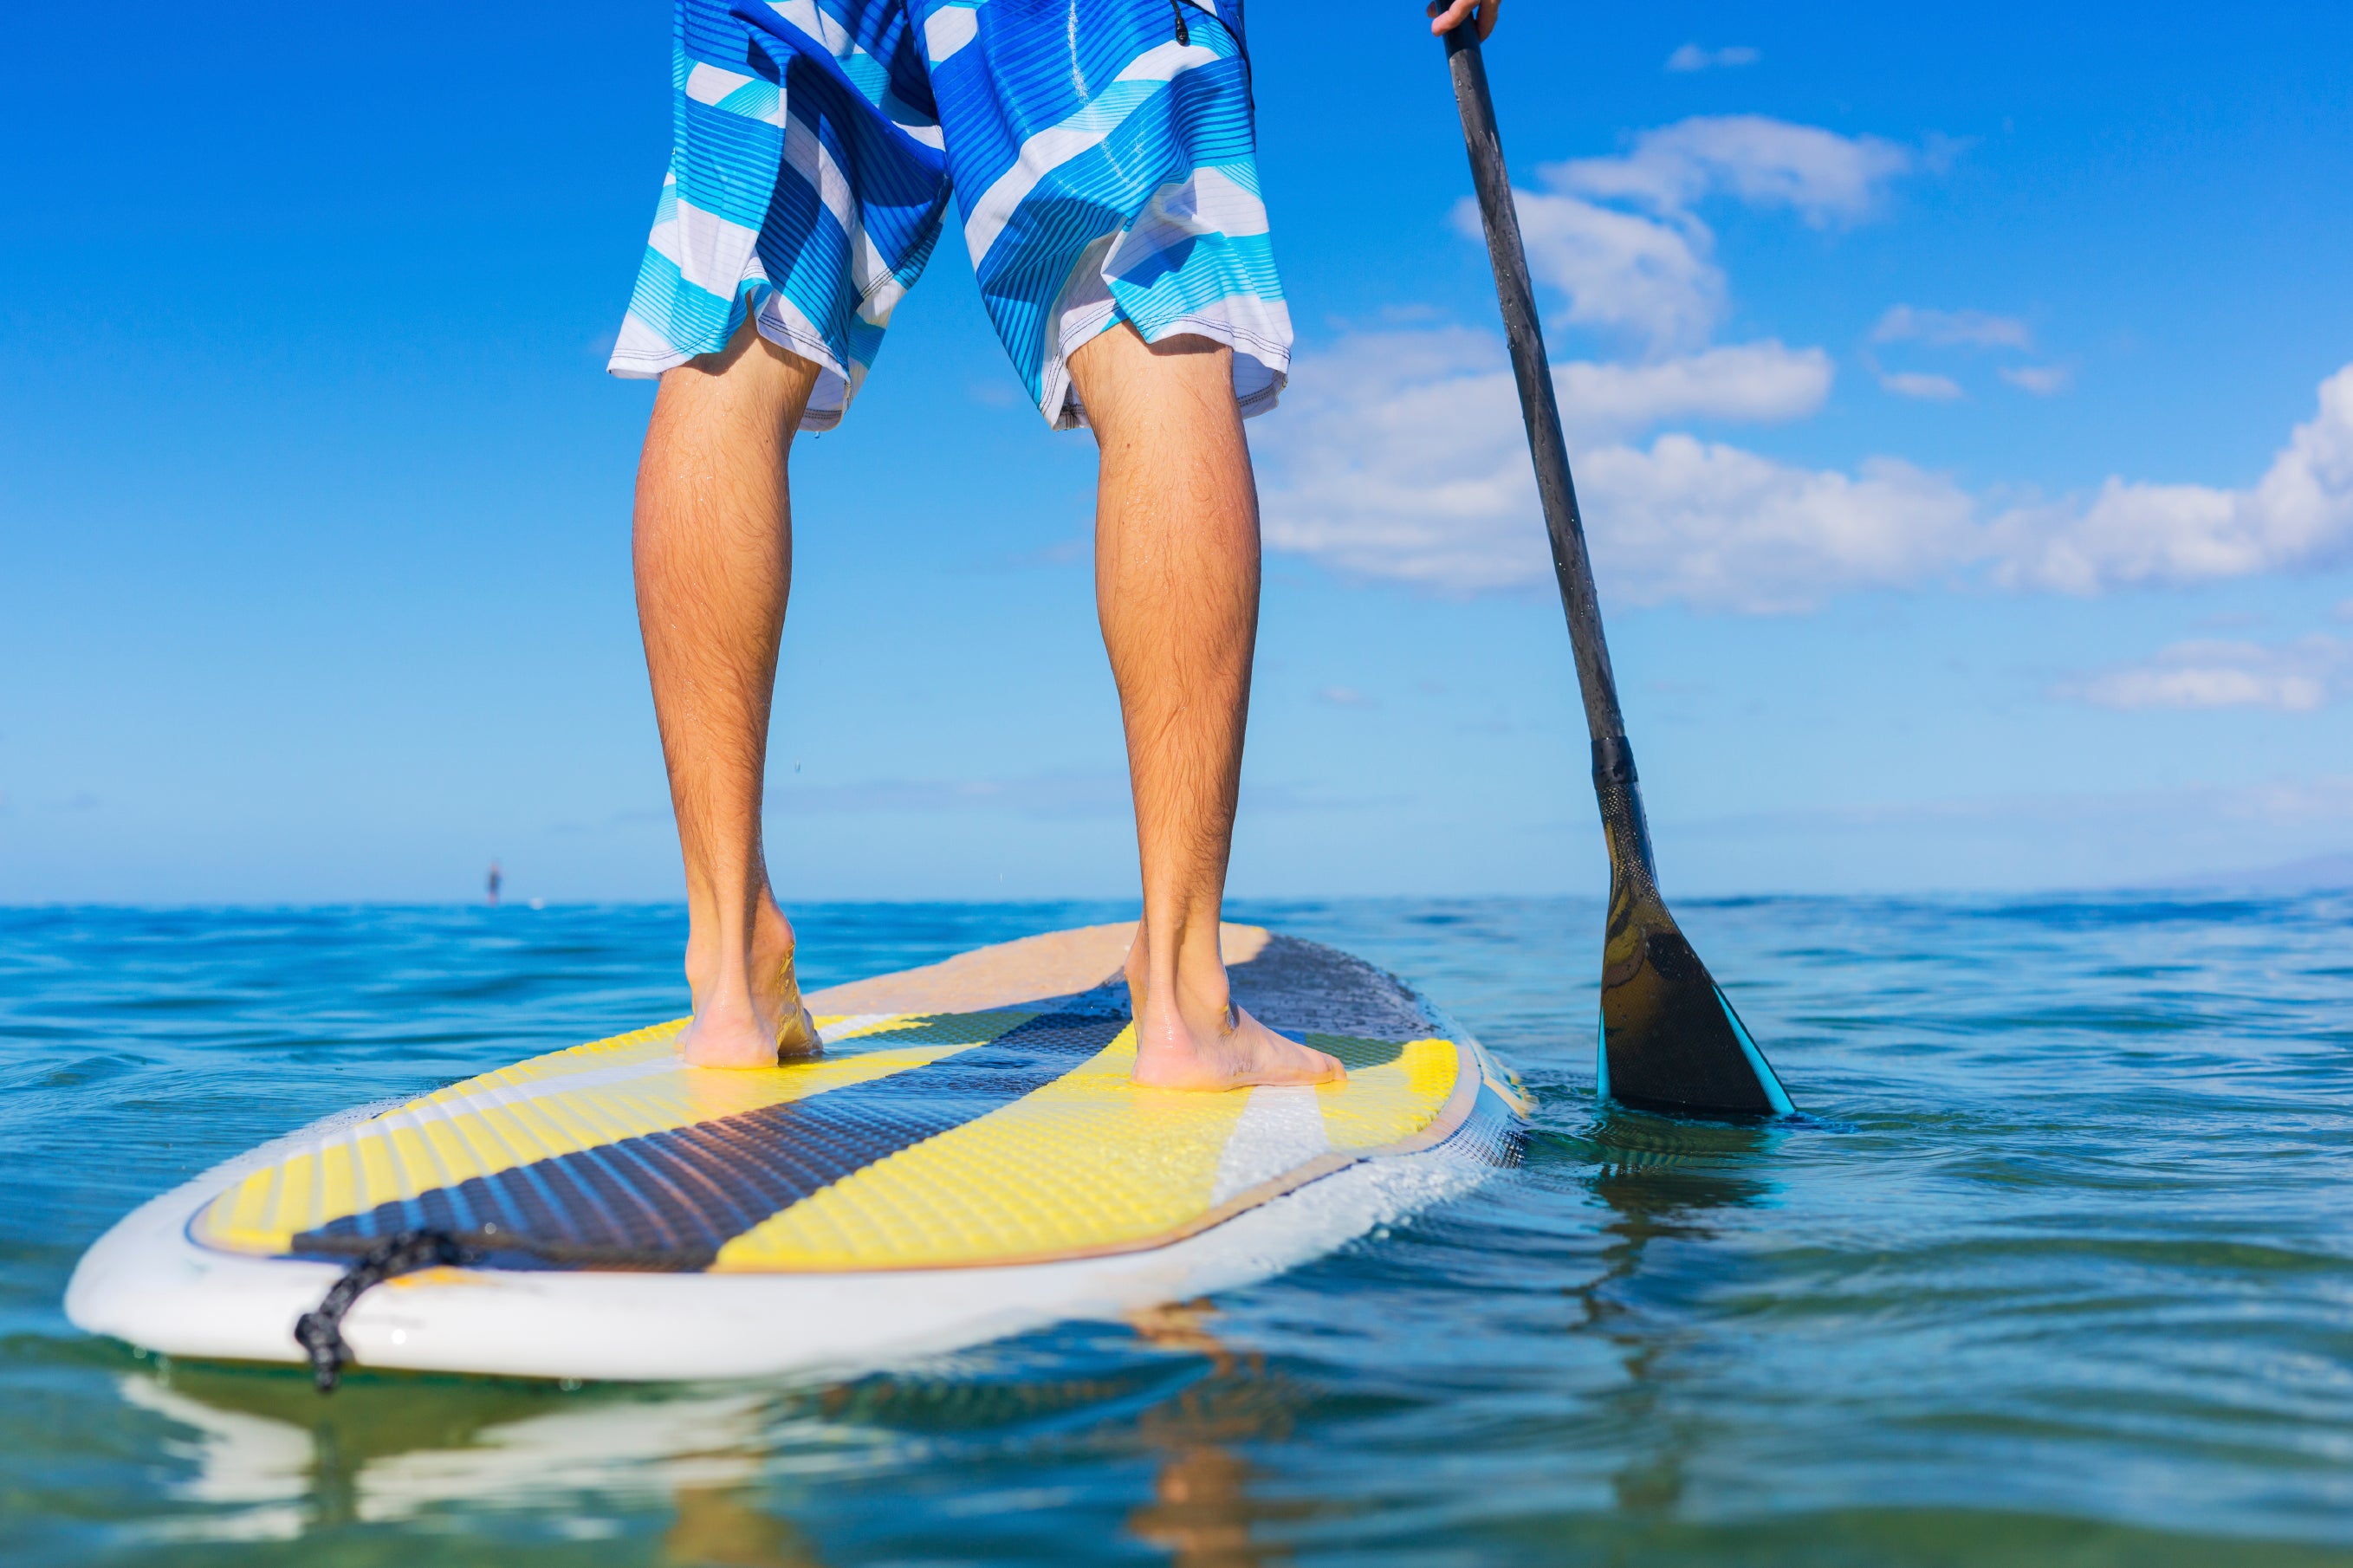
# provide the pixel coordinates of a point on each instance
(1104, 149)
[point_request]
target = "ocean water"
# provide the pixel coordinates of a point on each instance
(2058, 1269)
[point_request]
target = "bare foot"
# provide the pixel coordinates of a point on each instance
(747, 1014)
(1196, 1038)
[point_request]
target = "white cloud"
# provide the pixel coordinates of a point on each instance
(1761, 383)
(1714, 526)
(1821, 176)
(1922, 384)
(1400, 390)
(1958, 329)
(1402, 458)
(1944, 329)
(1621, 271)
(1691, 57)
(2299, 678)
(1400, 455)
(1651, 273)
(2043, 380)
(2299, 513)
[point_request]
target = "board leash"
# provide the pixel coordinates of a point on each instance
(319, 1332)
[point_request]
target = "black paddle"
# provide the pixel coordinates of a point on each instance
(1670, 1041)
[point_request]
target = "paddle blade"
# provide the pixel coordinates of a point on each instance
(1670, 1041)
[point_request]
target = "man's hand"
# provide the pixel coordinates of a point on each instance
(1445, 16)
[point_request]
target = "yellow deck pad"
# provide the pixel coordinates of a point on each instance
(581, 1098)
(1035, 1144)
(1384, 1103)
(1091, 1163)
(1089, 1159)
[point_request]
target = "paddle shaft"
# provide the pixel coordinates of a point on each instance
(1668, 1038)
(1538, 407)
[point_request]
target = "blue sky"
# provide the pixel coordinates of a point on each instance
(1947, 395)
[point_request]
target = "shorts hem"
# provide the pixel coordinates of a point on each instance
(835, 386)
(1060, 403)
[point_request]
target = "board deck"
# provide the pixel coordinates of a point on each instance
(976, 1115)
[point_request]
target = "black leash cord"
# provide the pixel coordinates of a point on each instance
(320, 1333)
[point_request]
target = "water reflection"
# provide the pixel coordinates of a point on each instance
(1202, 1512)
(264, 1458)
(725, 1527)
(1664, 1180)
(270, 1459)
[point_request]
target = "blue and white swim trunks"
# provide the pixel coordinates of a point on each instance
(1103, 150)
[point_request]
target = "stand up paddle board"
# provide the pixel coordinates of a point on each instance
(969, 1158)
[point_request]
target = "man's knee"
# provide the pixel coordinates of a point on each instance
(749, 378)
(1120, 350)
(1118, 368)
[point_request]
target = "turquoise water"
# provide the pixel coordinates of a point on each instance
(2060, 1268)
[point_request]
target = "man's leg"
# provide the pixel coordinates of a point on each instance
(1176, 576)
(714, 565)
